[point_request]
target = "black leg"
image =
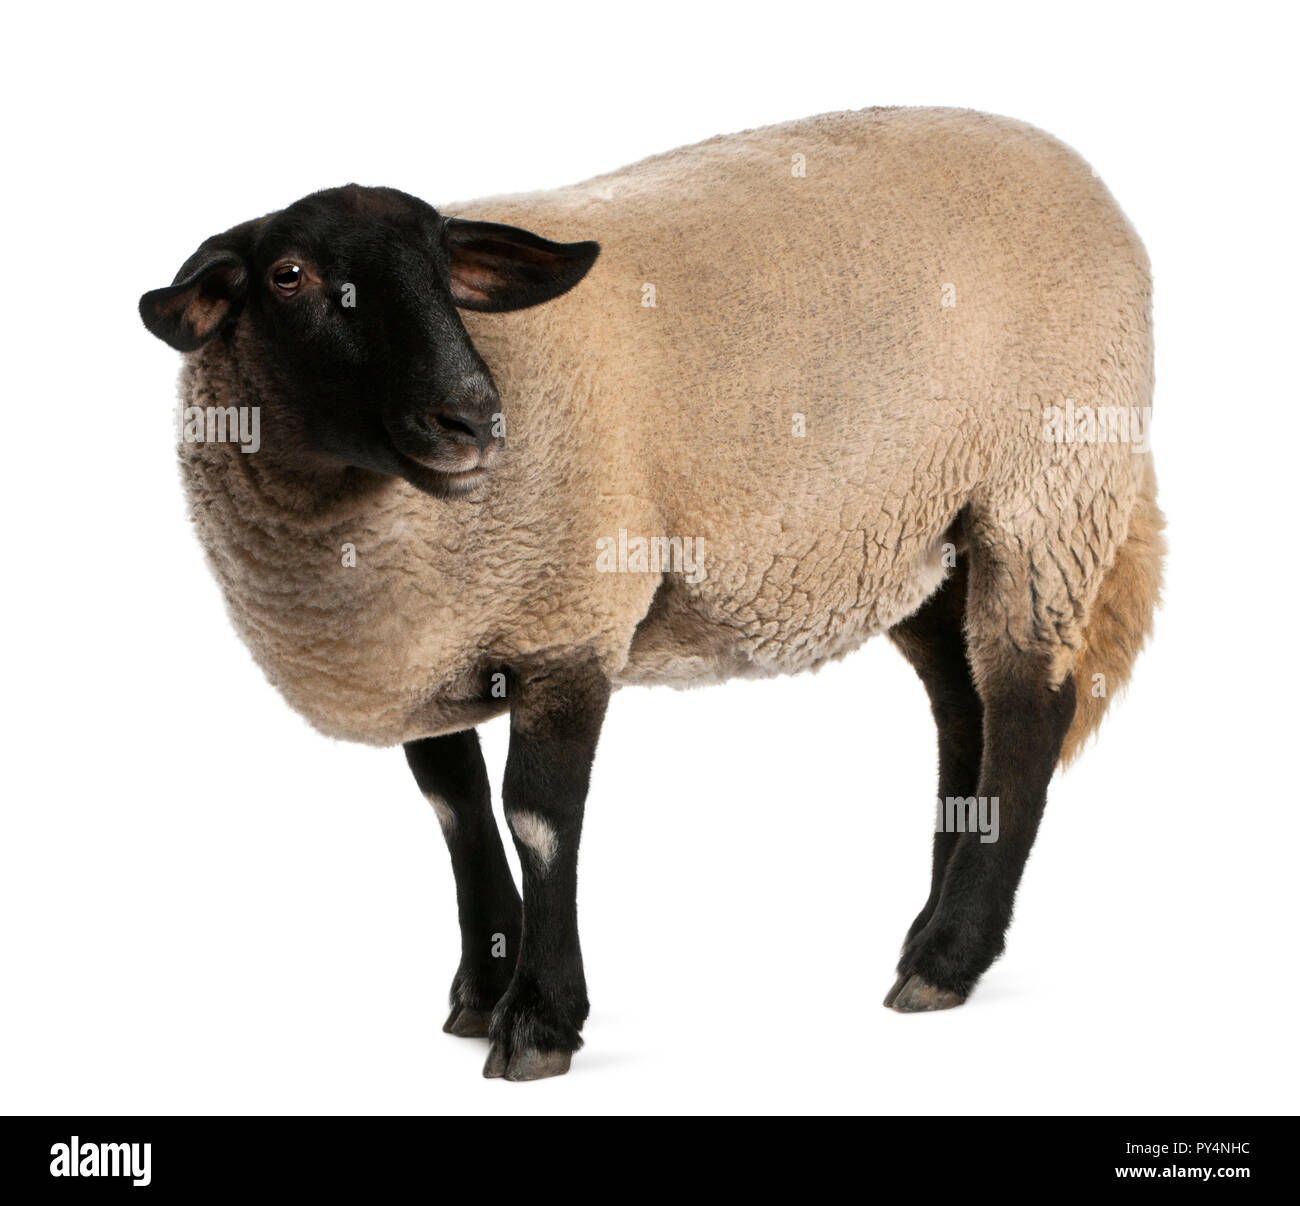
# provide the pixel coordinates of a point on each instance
(555, 719)
(1025, 722)
(933, 642)
(450, 772)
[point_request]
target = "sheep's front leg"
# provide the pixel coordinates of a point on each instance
(555, 718)
(450, 772)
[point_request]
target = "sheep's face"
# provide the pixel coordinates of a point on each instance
(347, 302)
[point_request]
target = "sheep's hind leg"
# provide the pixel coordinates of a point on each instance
(1017, 622)
(933, 641)
(451, 773)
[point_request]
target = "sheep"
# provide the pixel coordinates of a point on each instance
(833, 355)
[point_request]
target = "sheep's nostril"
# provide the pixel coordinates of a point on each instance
(455, 425)
(464, 429)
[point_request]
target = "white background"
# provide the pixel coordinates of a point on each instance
(204, 906)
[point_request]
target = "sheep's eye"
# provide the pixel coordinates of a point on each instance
(286, 278)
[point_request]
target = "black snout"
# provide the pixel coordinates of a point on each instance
(451, 427)
(462, 428)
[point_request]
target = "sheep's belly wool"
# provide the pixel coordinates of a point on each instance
(739, 445)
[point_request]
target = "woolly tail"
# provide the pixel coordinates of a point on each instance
(1121, 617)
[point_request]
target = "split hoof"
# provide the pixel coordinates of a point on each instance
(911, 994)
(525, 1064)
(465, 1022)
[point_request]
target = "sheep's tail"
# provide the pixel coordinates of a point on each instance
(1121, 617)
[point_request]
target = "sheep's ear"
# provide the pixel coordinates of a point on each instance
(208, 290)
(495, 267)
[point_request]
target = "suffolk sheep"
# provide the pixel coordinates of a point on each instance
(727, 412)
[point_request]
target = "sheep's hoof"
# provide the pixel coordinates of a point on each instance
(465, 1022)
(911, 994)
(525, 1064)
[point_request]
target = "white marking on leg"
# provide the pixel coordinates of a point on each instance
(537, 835)
(443, 811)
